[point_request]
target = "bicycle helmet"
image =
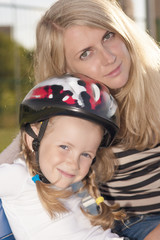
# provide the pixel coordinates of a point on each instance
(77, 96)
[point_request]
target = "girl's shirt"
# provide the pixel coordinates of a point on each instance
(29, 220)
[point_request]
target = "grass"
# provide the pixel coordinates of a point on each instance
(6, 137)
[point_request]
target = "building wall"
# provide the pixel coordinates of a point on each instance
(6, 29)
(127, 6)
(152, 15)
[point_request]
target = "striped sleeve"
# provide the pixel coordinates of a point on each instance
(136, 184)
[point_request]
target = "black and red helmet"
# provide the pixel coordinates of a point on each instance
(77, 96)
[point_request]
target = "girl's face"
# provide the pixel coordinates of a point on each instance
(68, 148)
(97, 53)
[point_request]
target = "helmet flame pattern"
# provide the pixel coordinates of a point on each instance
(77, 96)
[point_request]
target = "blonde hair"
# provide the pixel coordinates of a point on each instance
(139, 99)
(50, 197)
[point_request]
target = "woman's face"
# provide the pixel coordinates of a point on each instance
(97, 53)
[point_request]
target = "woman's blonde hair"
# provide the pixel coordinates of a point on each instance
(50, 197)
(139, 99)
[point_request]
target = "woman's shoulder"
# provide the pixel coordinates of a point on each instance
(10, 153)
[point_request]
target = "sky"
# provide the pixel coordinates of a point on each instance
(24, 19)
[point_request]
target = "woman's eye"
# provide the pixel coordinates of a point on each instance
(64, 147)
(87, 155)
(108, 35)
(84, 55)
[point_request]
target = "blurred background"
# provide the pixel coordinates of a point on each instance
(18, 20)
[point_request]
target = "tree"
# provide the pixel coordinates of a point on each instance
(16, 78)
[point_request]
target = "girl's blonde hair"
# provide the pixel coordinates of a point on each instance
(139, 98)
(50, 197)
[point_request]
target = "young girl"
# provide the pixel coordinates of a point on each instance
(66, 125)
(96, 38)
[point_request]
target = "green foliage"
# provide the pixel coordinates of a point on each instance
(6, 56)
(7, 135)
(16, 78)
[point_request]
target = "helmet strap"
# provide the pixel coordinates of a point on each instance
(36, 143)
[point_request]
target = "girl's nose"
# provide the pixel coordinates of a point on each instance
(74, 161)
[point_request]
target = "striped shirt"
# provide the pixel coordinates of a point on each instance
(136, 184)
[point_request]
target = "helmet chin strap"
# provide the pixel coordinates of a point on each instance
(36, 143)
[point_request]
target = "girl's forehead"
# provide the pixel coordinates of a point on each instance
(73, 130)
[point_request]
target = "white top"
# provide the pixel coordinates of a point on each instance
(29, 220)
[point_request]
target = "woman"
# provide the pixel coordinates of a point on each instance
(95, 38)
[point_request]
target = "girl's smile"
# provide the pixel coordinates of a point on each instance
(66, 174)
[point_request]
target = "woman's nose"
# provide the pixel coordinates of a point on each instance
(107, 57)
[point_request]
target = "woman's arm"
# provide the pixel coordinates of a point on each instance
(154, 235)
(9, 154)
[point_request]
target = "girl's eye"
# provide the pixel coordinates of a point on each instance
(84, 55)
(64, 147)
(108, 36)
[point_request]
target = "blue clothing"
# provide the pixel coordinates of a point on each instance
(137, 227)
(5, 230)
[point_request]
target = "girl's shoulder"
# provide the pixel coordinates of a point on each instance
(12, 177)
(17, 169)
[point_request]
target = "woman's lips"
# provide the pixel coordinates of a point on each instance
(115, 72)
(66, 174)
